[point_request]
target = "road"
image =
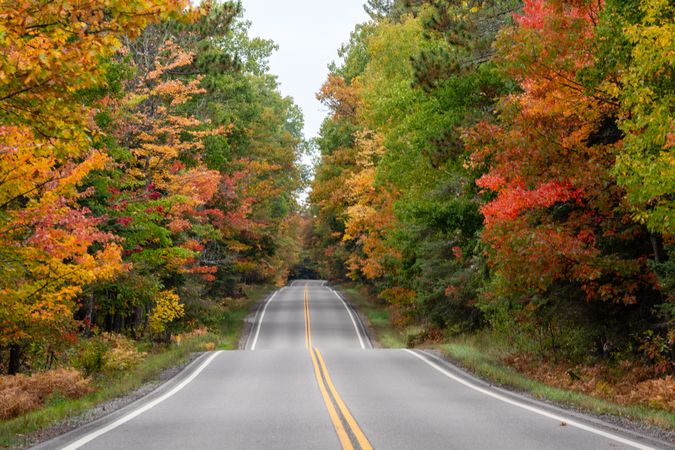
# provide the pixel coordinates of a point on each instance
(310, 379)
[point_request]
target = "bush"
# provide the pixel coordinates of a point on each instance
(90, 357)
(107, 352)
(22, 393)
(122, 354)
(167, 309)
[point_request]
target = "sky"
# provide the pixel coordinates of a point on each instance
(308, 33)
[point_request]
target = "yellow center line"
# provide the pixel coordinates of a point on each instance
(308, 327)
(321, 371)
(337, 423)
(356, 430)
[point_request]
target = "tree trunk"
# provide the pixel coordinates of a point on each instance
(89, 315)
(657, 247)
(117, 322)
(138, 321)
(14, 359)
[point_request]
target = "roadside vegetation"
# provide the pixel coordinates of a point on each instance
(148, 182)
(499, 176)
(601, 389)
(115, 366)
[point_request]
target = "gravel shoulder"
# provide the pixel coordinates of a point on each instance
(105, 408)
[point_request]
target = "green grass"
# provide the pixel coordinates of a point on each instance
(378, 317)
(482, 355)
(475, 354)
(229, 340)
(14, 432)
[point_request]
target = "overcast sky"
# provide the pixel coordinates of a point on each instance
(308, 33)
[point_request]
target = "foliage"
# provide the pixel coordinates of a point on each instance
(506, 165)
(167, 309)
(51, 246)
(147, 160)
(107, 352)
(22, 393)
(635, 52)
(410, 218)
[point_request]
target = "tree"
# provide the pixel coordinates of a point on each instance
(635, 46)
(556, 229)
(157, 190)
(51, 246)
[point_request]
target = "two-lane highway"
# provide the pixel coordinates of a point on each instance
(282, 322)
(309, 379)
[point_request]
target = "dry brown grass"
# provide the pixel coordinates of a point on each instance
(178, 338)
(209, 346)
(22, 393)
(625, 383)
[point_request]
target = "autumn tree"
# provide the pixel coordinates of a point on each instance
(201, 190)
(50, 246)
(506, 164)
(633, 66)
(411, 212)
(559, 237)
(155, 194)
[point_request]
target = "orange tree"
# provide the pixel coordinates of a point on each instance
(50, 246)
(560, 240)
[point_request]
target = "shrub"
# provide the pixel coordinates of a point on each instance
(90, 356)
(167, 309)
(209, 346)
(179, 338)
(22, 393)
(107, 352)
(121, 354)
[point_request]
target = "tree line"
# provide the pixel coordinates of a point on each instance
(147, 169)
(507, 165)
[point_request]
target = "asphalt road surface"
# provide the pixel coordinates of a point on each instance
(310, 379)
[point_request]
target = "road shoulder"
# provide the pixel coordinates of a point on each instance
(631, 430)
(107, 412)
(377, 324)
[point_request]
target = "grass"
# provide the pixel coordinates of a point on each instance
(482, 355)
(229, 340)
(15, 432)
(475, 354)
(377, 315)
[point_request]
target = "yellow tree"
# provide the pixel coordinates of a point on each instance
(370, 214)
(50, 247)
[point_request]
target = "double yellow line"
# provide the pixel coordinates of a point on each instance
(345, 425)
(308, 327)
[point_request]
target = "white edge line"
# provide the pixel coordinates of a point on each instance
(533, 409)
(121, 421)
(351, 316)
(262, 315)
